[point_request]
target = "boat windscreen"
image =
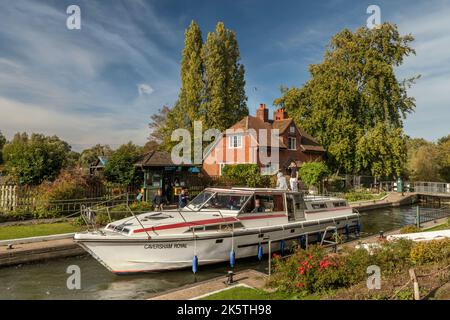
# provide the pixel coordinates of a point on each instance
(223, 201)
(199, 200)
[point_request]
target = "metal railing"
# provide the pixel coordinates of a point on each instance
(430, 214)
(432, 187)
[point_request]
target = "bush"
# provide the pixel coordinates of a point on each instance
(409, 229)
(246, 175)
(430, 251)
(307, 271)
(312, 173)
(312, 270)
(393, 256)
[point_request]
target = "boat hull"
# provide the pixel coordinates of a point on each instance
(126, 256)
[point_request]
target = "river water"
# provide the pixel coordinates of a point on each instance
(48, 280)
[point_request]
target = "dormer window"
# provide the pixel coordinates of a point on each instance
(234, 142)
(292, 143)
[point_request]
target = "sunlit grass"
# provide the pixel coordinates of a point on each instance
(36, 230)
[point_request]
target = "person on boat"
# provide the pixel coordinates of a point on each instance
(281, 181)
(183, 198)
(258, 206)
(293, 180)
(159, 200)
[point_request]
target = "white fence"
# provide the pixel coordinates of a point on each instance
(8, 197)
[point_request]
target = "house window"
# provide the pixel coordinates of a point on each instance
(292, 143)
(234, 142)
(292, 129)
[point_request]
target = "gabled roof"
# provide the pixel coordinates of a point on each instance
(157, 159)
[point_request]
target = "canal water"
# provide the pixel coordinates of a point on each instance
(48, 280)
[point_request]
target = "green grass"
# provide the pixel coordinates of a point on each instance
(243, 293)
(362, 196)
(36, 230)
(439, 227)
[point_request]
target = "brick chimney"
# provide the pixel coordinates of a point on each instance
(262, 113)
(280, 114)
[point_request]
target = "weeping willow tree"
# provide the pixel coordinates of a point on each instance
(354, 104)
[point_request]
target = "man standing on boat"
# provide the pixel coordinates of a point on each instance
(293, 180)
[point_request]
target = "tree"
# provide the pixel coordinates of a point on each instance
(424, 164)
(312, 173)
(443, 146)
(192, 83)
(88, 156)
(120, 166)
(2, 143)
(31, 160)
(225, 99)
(354, 98)
(212, 86)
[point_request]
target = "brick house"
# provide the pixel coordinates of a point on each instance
(245, 140)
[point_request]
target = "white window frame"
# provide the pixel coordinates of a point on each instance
(292, 129)
(295, 143)
(235, 141)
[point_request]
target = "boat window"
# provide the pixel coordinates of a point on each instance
(318, 205)
(265, 203)
(339, 204)
(299, 203)
(225, 202)
(199, 200)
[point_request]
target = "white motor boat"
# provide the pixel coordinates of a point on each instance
(217, 224)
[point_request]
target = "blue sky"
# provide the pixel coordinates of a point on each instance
(100, 84)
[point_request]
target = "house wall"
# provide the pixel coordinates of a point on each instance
(221, 154)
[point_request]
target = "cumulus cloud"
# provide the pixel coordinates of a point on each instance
(145, 89)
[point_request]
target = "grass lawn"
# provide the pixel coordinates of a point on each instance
(443, 226)
(243, 293)
(36, 230)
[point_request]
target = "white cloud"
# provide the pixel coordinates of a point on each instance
(145, 89)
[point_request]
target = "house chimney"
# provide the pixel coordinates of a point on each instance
(262, 113)
(280, 114)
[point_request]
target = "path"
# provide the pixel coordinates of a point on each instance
(249, 277)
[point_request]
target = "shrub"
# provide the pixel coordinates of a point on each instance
(248, 175)
(312, 173)
(430, 251)
(307, 271)
(393, 256)
(409, 229)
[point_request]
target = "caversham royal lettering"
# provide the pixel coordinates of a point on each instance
(165, 246)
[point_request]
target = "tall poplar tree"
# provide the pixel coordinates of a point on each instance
(212, 85)
(225, 99)
(192, 84)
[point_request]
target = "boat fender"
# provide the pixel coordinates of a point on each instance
(260, 252)
(319, 236)
(195, 264)
(282, 246)
(347, 231)
(232, 258)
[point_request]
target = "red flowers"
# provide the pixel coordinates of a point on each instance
(299, 285)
